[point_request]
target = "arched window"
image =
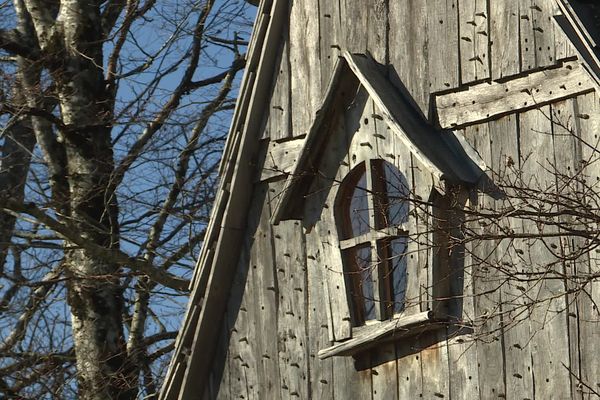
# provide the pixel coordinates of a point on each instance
(372, 211)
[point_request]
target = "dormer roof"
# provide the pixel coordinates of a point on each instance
(447, 156)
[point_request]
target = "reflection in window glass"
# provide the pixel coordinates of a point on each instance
(397, 195)
(362, 283)
(359, 208)
(398, 264)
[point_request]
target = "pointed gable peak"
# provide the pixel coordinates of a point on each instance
(447, 156)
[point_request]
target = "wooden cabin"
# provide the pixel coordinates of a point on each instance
(408, 208)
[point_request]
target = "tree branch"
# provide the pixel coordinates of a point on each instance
(108, 255)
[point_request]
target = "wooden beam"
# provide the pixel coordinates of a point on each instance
(281, 158)
(372, 335)
(488, 101)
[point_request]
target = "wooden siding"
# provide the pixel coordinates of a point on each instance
(279, 314)
(429, 46)
(278, 311)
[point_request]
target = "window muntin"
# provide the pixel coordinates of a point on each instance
(372, 211)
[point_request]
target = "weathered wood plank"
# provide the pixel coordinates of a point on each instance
(384, 376)
(543, 29)
(442, 30)
(265, 303)
(517, 353)
(377, 29)
(356, 30)
(567, 152)
(486, 282)
(489, 100)
(368, 336)
(504, 38)
(220, 385)
(464, 378)
(332, 38)
(305, 57)
(423, 186)
(410, 375)
(588, 122)
(321, 371)
(474, 40)
(280, 158)
(409, 64)
(526, 36)
(436, 374)
(549, 330)
(279, 120)
(290, 261)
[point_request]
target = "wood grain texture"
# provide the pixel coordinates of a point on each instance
(549, 330)
(504, 38)
(408, 49)
(279, 120)
(567, 152)
(588, 123)
(280, 158)
(265, 304)
(486, 281)
(474, 40)
(321, 371)
(489, 100)
(509, 263)
(332, 39)
(305, 58)
(290, 262)
(442, 31)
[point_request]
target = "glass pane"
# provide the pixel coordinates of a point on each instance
(397, 195)
(398, 265)
(359, 208)
(361, 283)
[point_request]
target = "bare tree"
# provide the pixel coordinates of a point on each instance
(113, 115)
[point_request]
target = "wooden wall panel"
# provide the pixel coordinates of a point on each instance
(567, 152)
(517, 353)
(290, 262)
(355, 23)
(486, 281)
(265, 303)
(321, 371)
(408, 52)
(332, 38)
(305, 59)
(504, 38)
(442, 31)
(279, 120)
(474, 40)
(549, 329)
(377, 30)
(588, 123)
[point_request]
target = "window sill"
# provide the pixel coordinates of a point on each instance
(371, 335)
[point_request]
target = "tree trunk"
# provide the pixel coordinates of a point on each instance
(95, 293)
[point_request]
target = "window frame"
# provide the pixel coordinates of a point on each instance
(405, 324)
(378, 238)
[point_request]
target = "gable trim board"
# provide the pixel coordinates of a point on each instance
(575, 23)
(193, 354)
(194, 351)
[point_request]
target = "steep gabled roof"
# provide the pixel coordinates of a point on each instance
(194, 347)
(580, 20)
(442, 152)
(210, 285)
